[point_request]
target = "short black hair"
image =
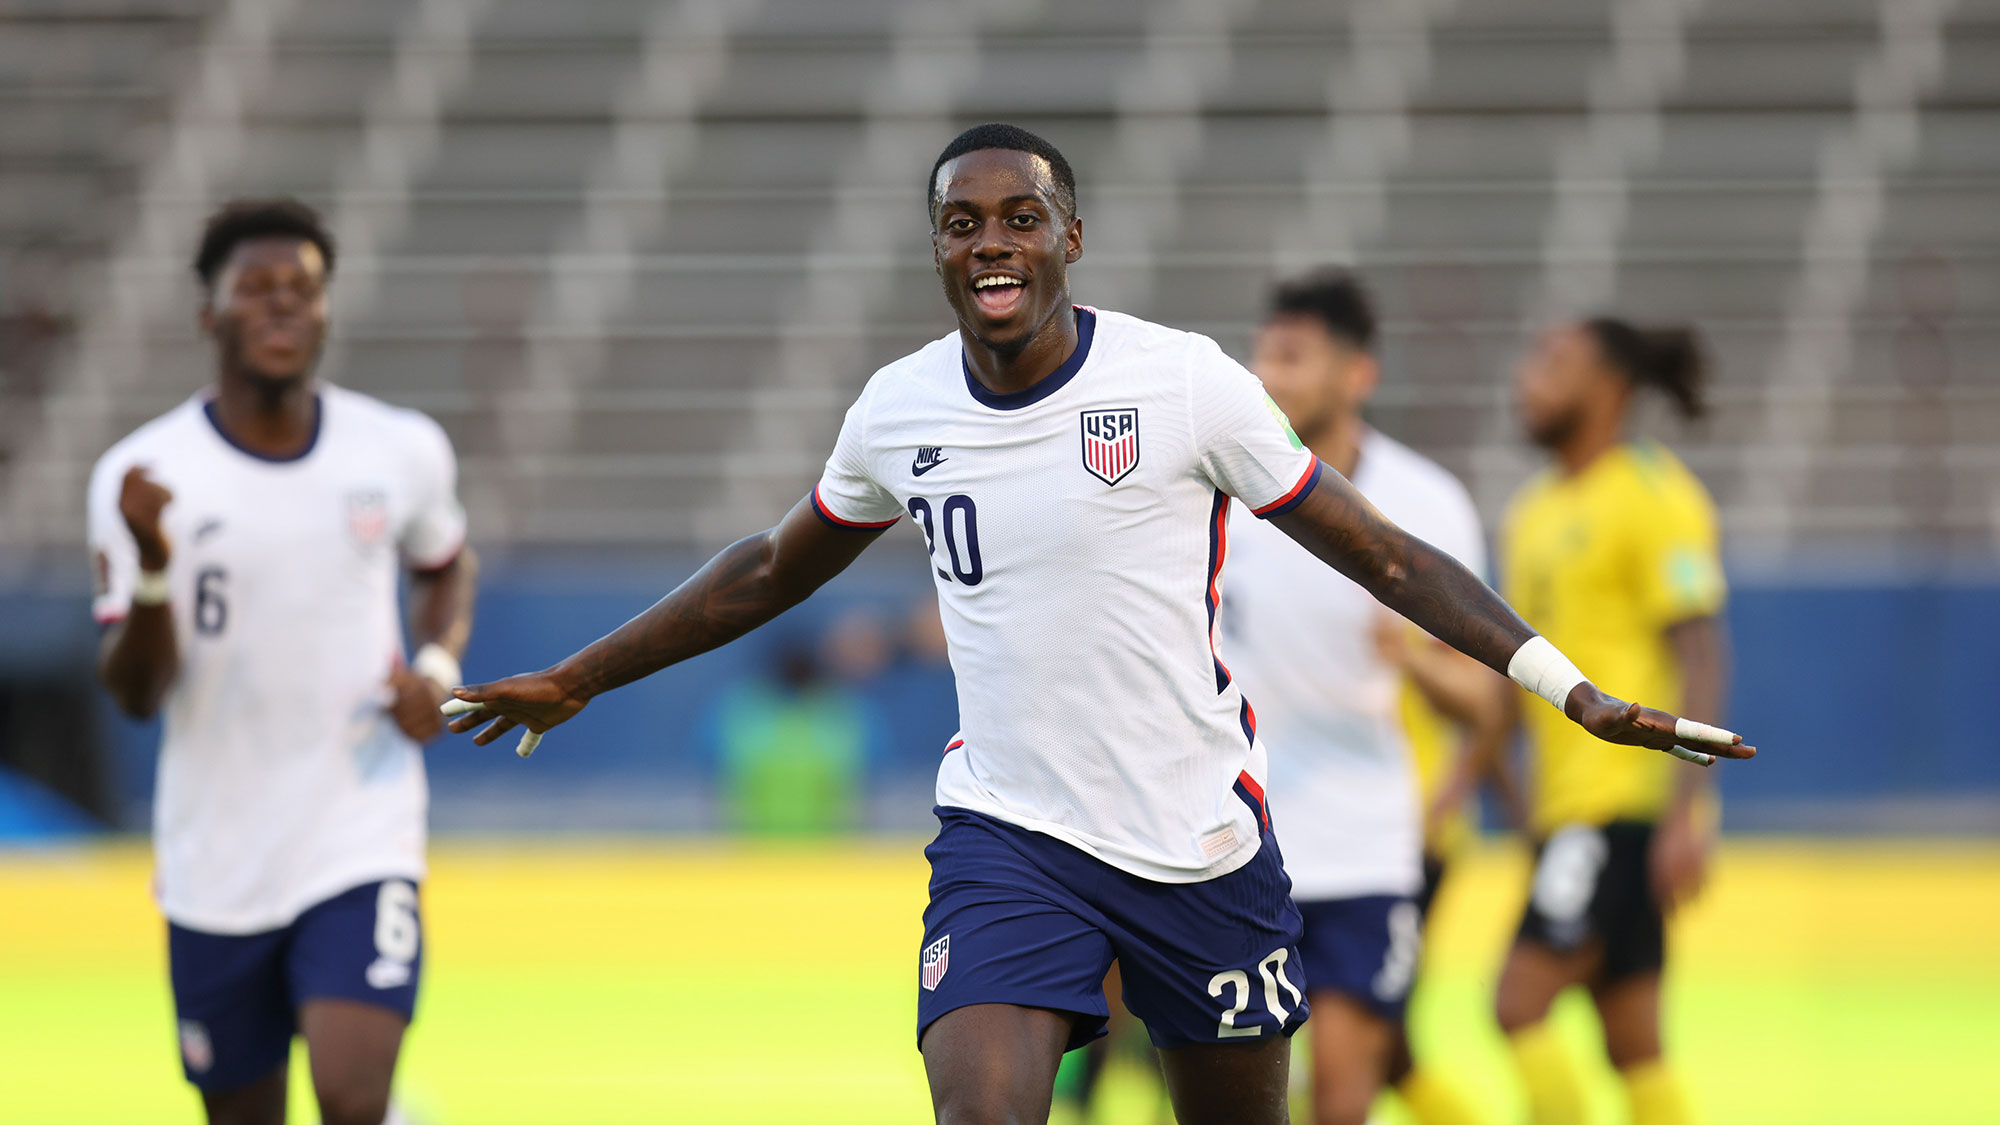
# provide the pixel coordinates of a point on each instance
(241, 220)
(1014, 138)
(1334, 297)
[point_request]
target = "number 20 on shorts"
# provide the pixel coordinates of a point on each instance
(1272, 970)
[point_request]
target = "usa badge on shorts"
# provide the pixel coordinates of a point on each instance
(1111, 443)
(195, 1048)
(937, 958)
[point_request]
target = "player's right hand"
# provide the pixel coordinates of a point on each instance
(536, 700)
(141, 499)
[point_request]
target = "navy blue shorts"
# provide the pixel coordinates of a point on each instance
(237, 996)
(1017, 917)
(1365, 948)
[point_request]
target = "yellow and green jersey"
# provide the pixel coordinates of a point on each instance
(1602, 564)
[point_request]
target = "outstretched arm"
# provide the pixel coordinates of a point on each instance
(750, 582)
(1336, 523)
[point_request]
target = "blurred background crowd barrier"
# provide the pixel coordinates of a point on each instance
(638, 256)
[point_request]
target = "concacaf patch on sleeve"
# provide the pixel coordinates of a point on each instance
(1290, 435)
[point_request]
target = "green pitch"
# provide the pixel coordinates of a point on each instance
(1817, 982)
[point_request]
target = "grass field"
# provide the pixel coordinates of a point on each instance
(1819, 983)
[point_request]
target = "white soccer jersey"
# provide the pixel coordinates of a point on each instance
(1300, 636)
(1076, 533)
(282, 780)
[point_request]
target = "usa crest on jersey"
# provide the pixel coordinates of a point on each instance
(937, 958)
(1111, 443)
(367, 516)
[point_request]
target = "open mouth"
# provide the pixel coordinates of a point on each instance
(998, 294)
(281, 337)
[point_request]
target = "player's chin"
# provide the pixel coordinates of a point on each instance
(285, 366)
(1005, 332)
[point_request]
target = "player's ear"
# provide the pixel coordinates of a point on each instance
(1367, 374)
(1073, 240)
(205, 317)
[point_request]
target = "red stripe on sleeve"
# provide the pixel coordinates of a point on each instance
(1298, 491)
(826, 514)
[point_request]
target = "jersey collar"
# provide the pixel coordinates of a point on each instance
(312, 441)
(1086, 328)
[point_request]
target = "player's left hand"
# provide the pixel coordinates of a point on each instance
(414, 702)
(1614, 720)
(1678, 863)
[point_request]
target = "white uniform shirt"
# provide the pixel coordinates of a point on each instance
(1301, 638)
(1076, 533)
(282, 780)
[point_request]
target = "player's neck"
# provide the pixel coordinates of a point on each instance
(1590, 442)
(267, 417)
(1005, 373)
(1338, 443)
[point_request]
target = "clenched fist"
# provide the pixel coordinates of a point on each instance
(141, 499)
(415, 704)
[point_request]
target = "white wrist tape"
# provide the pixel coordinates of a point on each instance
(1541, 668)
(152, 588)
(434, 663)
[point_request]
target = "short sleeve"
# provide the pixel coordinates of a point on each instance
(848, 495)
(1679, 568)
(434, 533)
(114, 556)
(1244, 443)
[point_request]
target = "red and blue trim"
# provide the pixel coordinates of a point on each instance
(1293, 498)
(1253, 795)
(953, 745)
(1218, 553)
(827, 517)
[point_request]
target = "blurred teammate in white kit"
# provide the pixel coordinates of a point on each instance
(248, 544)
(1328, 664)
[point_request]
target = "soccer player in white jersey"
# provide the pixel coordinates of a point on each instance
(1307, 643)
(248, 546)
(1071, 473)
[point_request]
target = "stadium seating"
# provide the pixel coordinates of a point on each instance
(637, 256)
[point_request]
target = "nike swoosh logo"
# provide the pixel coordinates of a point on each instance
(920, 470)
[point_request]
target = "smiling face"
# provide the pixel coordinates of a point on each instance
(267, 311)
(1002, 245)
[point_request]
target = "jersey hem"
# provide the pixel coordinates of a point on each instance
(1304, 889)
(1152, 872)
(237, 924)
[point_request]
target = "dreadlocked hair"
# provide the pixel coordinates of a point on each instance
(1670, 358)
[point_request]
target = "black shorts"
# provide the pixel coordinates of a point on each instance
(1433, 879)
(1593, 885)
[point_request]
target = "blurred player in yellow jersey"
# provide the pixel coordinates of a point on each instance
(1612, 552)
